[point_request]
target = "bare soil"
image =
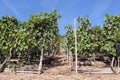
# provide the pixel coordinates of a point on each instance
(61, 71)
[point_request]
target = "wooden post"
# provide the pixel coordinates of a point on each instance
(118, 64)
(41, 58)
(75, 46)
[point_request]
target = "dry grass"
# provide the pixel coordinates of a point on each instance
(60, 71)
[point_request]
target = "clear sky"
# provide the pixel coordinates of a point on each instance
(69, 9)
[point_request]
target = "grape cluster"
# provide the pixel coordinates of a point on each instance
(117, 46)
(102, 51)
(30, 51)
(1, 56)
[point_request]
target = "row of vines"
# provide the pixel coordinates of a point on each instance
(39, 39)
(96, 40)
(29, 40)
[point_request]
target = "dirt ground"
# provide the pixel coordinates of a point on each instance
(62, 72)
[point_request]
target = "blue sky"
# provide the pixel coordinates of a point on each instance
(69, 9)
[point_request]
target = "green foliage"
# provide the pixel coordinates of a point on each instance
(43, 26)
(93, 39)
(19, 37)
(9, 26)
(69, 38)
(111, 33)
